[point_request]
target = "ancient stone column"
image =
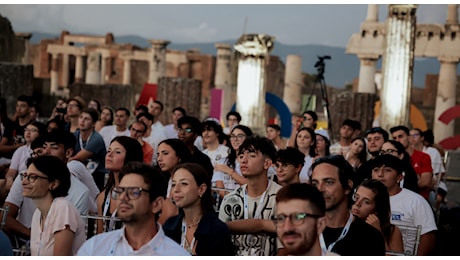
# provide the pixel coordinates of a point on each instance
(293, 83)
(372, 13)
(103, 68)
(93, 72)
(445, 97)
(79, 69)
(398, 62)
(127, 72)
(250, 102)
(223, 78)
(452, 14)
(366, 83)
(54, 74)
(157, 66)
(65, 70)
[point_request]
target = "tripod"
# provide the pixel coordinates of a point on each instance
(319, 80)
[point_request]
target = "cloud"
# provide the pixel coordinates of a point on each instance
(203, 32)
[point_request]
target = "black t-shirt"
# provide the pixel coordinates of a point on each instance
(361, 240)
(202, 159)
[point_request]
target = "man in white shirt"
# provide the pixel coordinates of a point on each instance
(171, 129)
(139, 196)
(119, 127)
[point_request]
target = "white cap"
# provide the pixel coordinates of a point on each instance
(323, 133)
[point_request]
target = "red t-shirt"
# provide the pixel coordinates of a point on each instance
(421, 162)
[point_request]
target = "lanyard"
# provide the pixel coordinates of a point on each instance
(81, 140)
(259, 208)
(183, 240)
(342, 235)
(106, 209)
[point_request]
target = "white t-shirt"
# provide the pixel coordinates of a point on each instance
(411, 209)
(218, 156)
(304, 172)
(170, 131)
(19, 159)
(79, 170)
(109, 132)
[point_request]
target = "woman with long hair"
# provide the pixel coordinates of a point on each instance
(305, 141)
(358, 153)
(372, 204)
(105, 118)
(322, 143)
(57, 227)
(410, 180)
(122, 149)
(197, 227)
(233, 177)
(171, 152)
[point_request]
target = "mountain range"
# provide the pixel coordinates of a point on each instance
(340, 70)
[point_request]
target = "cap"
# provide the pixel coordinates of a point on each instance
(323, 133)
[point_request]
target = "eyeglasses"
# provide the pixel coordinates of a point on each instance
(32, 130)
(414, 135)
(295, 218)
(237, 137)
(282, 166)
(387, 151)
(131, 192)
(184, 130)
(31, 177)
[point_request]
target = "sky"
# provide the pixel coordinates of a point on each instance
(291, 24)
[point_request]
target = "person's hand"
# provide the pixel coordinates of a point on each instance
(223, 168)
(374, 221)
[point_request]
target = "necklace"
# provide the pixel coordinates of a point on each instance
(195, 224)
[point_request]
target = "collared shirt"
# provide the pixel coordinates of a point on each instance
(115, 243)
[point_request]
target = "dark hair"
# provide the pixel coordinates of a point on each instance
(61, 136)
(214, 126)
(303, 191)
(379, 130)
(152, 177)
(37, 143)
(181, 150)
(410, 176)
(133, 154)
(54, 169)
(362, 156)
(234, 113)
(312, 114)
(355, 125)
(110, 122)
(387, 160)
(159, 103)
(200, 175)
(382, 204)
(312, 151)
(98, 104)
(92, 113)
(124, 109)
(290, 155)
(231, 158)
(25, 98)
(139, 122)
(144, 108)
(80, 102)
(194, 122)
(255, 143)
(40, 126)
(180, 109)
(344, 169)
(146, 115)
(326, 141)
(400, 127)
(58, 121)
(428, 136)
(274, 126)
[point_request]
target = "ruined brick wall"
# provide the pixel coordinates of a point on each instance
(112, 95)
(345, 104)
(15, 80)
(174, 92)
(7, 40)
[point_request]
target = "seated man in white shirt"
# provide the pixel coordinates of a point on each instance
(139, 197)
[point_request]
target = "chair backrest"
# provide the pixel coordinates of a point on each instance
(91, 222)
(411, 239)
(4, 215)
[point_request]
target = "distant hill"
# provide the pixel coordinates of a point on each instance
(340, 70)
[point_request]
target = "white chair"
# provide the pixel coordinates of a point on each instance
(411, 239)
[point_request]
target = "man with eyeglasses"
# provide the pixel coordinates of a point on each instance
(139, 197)
(300, 219)
(344, 234)
(247, 210)
(189, 129)
(137, 130)
(288, 164)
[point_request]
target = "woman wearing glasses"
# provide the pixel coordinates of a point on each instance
(56, 227)
(197, 227)
(372, 204)
(122, 149)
